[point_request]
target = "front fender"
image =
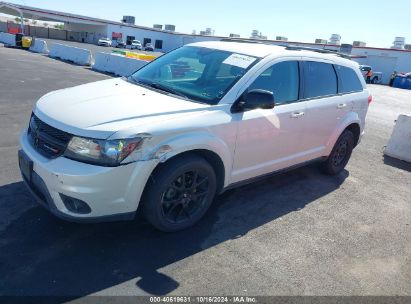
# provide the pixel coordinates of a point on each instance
(200, 140)
(348, 119)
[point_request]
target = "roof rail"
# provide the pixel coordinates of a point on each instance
(246, 40)
(287, 46)
(323, 51)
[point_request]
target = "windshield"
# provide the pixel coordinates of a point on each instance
(201, 74)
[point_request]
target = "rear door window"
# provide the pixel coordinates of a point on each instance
(349, 80)
(320, 79)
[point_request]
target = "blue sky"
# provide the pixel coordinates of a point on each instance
(375, 22)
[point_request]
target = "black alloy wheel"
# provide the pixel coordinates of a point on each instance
(179, 192)
(185, 196)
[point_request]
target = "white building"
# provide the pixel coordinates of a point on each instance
(383, 60)
(90, 29)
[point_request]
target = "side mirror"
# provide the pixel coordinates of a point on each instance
(255, 99)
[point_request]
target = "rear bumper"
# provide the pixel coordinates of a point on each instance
(360, 138)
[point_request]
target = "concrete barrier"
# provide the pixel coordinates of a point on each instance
(39, 46)
(8, 39)
(71, 53)
(101, 62)
(399, 145)
(117, 64)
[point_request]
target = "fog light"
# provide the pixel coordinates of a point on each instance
(75, 205)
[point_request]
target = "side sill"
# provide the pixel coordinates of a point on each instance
(267, 175)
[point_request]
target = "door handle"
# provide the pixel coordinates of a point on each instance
(297, 114)
(341, 105)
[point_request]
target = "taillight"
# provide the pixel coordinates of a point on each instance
(369, 99)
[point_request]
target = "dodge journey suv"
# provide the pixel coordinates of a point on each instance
(187, 126)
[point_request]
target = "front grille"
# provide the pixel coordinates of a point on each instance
(46, 139)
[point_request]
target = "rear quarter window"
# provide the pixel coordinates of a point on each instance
(349, 80)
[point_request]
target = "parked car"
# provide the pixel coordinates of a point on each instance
(376, 77)
(104, 42)
(136, 44)
(170, 137)
(118, 43)
(149, 47)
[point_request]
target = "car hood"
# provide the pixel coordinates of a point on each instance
(102, 108)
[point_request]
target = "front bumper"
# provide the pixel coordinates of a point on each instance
(112, 193)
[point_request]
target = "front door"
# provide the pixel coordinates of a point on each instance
(270, 139)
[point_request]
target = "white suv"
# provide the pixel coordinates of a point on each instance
(104, 42)
(185, 127)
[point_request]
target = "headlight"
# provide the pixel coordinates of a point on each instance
(101, 152)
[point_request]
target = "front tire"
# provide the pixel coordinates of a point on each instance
(179, 193)
(340, 154)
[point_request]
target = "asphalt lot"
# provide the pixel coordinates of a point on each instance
(92, 47)
(298, 233)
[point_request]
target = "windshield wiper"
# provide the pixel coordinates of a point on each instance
(160, 87)
(164, 88)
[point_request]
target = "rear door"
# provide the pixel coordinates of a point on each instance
(325, 107)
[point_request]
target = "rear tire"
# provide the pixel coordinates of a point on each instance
(340, 154)
(179, 193)
(374, 80)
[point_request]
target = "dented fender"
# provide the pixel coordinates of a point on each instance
(170, 147)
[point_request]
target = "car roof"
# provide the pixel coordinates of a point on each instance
(264, 49)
